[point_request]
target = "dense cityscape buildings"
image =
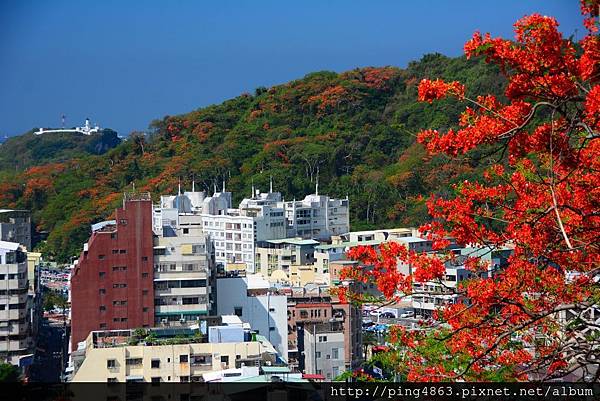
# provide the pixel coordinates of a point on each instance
(194, 276)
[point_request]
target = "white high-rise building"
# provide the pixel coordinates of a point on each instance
(317, 217)
(15, 333)
(234, 232)
(184, 276)
(262, 217)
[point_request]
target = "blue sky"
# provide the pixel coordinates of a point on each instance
(125, 63)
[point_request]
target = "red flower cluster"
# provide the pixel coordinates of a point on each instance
(438, 89)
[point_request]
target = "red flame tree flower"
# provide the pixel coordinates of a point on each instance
(538, 316)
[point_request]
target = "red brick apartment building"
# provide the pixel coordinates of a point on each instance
(112, 282)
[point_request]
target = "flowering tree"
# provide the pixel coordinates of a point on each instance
(537, 316)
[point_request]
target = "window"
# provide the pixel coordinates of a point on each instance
(144, 292)
(335, 354)
(144, 275)
(101, 274)
(225, 359)
(237, 311)
(186, 230)
(145, 309)
(115, 251)
(103, 325)
(184, 379)
(123, 222)
(133, 361)
(120, 285)
(102, 291)
(122, 251)
(190, 301)
(155, 364)
(111, 363)
(101, 257)
(322, 339)
(155, 379)
(113, 236)
(102, 308)
(317, 354)
(183, 358)
(145, 259)
(112, 380)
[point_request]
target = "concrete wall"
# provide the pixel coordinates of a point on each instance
(265, 313)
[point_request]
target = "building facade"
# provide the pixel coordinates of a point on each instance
(15, 226)
(283, 254)
(252, 299)
(234, 232)
(15, 334)
(112, 281)
(317, 217)
(184, 277)
(310, 313)
(324, 349)
(108, 356)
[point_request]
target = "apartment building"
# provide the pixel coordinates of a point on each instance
(317, 217)
(233, 231)
(255, 302)
(15, 334)
(310, 312)
(280, 255)
(184, 277)
(112, 283)
(171, 355)
(15, 226)
(324, 349)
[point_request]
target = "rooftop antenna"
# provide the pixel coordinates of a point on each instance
(179, 187)
(193, 185)
(62, 120)
(133, 184)
(271, 185)
(317, 184)
(223, 186)
(253, 193)
(214, 187)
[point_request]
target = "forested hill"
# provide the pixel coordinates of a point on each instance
(23, 151)
(356, 130)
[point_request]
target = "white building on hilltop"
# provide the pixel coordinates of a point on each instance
(86, 129)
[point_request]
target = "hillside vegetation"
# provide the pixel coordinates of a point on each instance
(23, 151)
(354, 130)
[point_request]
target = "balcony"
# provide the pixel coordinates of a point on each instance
(180, 308)
(188, 291)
